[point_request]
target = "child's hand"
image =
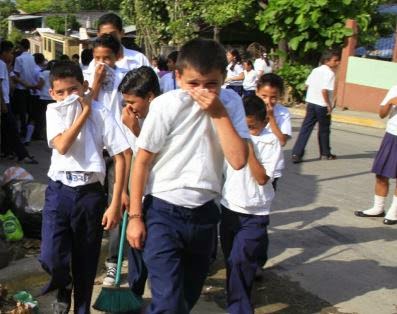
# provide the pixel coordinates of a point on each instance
(111, 218)
(208, 101)
(269, 111)
(130, 119)
(136, 233)
(100, 73)
(125, 202)
(86, 102)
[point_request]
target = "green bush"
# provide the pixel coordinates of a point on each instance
(294, 76)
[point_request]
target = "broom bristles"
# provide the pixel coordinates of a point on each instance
(117, 300)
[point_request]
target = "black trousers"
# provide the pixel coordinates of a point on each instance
(314, 114)
(10, 140)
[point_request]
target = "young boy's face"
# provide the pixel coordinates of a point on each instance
(333, 62)
(105, 55)
(138, 105)
(110, 29)
(62, 88)
(7, 56)
(268, 94)
(170, 65)
(190, 78)
(255, 126)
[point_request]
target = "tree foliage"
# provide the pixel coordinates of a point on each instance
(57, 23)
(7, 7)
(33, 6)
(312, 26)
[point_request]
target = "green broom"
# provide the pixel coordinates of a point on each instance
(118, 299)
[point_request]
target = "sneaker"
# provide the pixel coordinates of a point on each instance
(63, 301)
(296, 159)
(328, 157)
(110, 278)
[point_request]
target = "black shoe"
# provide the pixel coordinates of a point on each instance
(360, 213)
(296, 159)
(63, 301)
(327, 157)
(389, 221)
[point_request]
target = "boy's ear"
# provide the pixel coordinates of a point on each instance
(178, 75)
(51, 92)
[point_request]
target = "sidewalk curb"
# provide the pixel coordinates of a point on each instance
(342, 118)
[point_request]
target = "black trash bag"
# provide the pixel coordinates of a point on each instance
(26, 200)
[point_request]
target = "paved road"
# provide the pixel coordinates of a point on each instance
(323, 258)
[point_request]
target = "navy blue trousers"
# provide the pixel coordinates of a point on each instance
(242, 238)
(71, 239)
(177, 253)
(137, 271)
(314, 114)
(237, 88)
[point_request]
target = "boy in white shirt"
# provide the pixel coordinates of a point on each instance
(178, 168)
(74, 213)
(246, 199)
(168, 81)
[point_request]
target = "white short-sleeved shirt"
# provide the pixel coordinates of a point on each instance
(188, 157)
(321, 78)
(237, 70)
(168, 82)
(391, 126)
(241, 193)
(250, 78)
(283, 120)
(261, 65)
(26, 67)
(100, 129)
(5, 82)
(109, 95)
(44, 91)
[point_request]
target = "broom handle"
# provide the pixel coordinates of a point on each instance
(121, 249)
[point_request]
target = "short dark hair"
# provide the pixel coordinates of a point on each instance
(63, 58)
(140, 82)
(328, 55)
(173, 56)
(25, 44)
(272, 80)
(249, 62)
(108, 41)
(38, 58)
(86, 56)
(65, 69)
(6, 46)
(254, 106)
(111, 18)
(204, 55)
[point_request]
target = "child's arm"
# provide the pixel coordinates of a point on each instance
(129, 118)
(274, 127)
(325, 94)
(385, 110)
(233, 146)
(111, 217)
(125, 200)
(257, 170)
(136, 231)
(64, 141)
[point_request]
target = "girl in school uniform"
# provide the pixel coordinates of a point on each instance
(235, 72)
(250, 77)
(385, 163)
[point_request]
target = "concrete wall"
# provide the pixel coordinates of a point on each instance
(367, 82)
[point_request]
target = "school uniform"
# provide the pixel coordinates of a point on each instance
(321, 78)
(168, 82)
(385, 163)
(261, 65)
(233, 71)
(75, 199)
(249, 82)
(185, 178)
(25, 67)
(245, 216)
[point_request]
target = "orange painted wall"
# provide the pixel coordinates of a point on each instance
(362, 98)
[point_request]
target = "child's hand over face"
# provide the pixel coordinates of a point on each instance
(100, 73)
(269, 110)
(111, 218)
(86, 102)
(130, 119)
(208, 101)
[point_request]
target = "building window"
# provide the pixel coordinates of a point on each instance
(58, 49)
(49, 44)
(45, 44)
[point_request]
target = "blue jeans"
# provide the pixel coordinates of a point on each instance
(177, 253)
(243, 237)
(314, 114)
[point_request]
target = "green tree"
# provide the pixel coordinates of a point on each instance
(57, 23)
(15, 36)
(308, 27)
(7, 7)
(33, 6)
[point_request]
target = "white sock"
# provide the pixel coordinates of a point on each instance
(379, 206)
(29, 133)
(392, 212)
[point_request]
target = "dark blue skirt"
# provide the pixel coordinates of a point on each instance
(385, 163)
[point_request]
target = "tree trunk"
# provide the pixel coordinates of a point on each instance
(217, 34)
(283, 47)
